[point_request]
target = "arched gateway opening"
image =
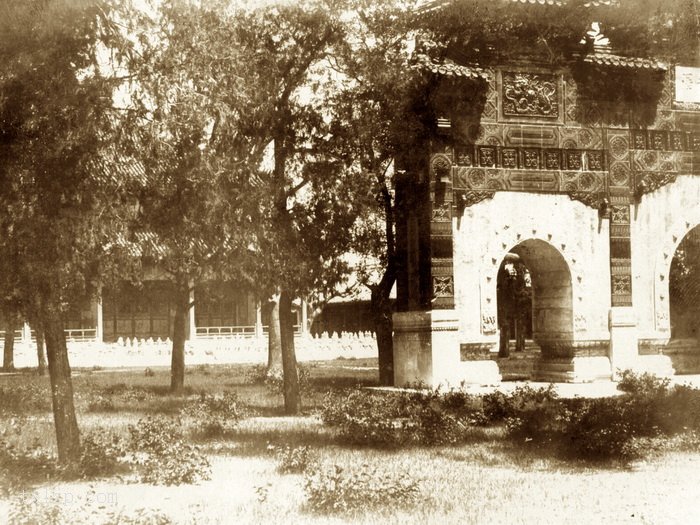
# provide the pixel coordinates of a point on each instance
(684, 290)
(535, 299)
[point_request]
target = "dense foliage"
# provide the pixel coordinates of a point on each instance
(610, 428)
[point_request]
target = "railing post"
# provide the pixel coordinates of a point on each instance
(99, 319)
(26, 334)
(304, 318)
(190, 315)
(258, 319)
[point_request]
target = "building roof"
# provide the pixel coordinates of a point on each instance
(449, 68)
(611, 60)
(432, 5)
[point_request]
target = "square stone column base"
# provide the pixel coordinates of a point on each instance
(658, 365)
(572, 369)
(624, 345)
(427, 352)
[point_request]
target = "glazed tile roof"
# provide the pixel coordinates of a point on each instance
(608, 59)
(592, 3)
(449, 68)
(431, 5)
(148, 244)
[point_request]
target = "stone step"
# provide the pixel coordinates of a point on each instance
(519, 365)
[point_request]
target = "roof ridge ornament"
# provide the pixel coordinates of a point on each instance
(601, 43)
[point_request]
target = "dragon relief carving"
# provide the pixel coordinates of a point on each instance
(530, 95)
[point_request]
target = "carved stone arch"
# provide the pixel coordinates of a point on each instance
(510, 238)
(497, 248)
(662, 267)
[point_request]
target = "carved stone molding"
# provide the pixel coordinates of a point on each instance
(476, 351)
(652, 346)
(652, 181)
(592, 200)
(441, 166)
(556, 347)
(441, 213)
(465, 199)
(488, 324)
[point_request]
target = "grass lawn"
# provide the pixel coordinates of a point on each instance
(488, 480)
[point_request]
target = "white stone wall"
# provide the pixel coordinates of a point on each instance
(659, 223)
(491, 228)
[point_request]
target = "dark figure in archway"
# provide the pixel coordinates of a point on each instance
(514, 300)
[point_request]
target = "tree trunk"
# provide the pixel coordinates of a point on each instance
(292, 398)
(40, 352)
(8, 353)
(177, 364)
(274, 340)
(67, 434)
(382, 312)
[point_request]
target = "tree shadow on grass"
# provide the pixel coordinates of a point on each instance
(254, 436)
(502, 451)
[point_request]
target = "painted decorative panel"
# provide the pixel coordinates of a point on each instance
(663, 140)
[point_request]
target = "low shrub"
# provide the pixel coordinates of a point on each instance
(22, 461)
(645, 384)
(601, 429)
(680, 410)
(294, 460)
(100, 403)
(395, 419)
(366, 418)
(495, 406)
(623, 428)
(618, 428)
(103, 454)
(335, 490)
(534, 413)
(161, 455)
(213, 415)
(69, 509)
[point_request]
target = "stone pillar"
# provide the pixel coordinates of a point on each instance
(623, 190)
(258, 319)
(99, 319)
(192, 335)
